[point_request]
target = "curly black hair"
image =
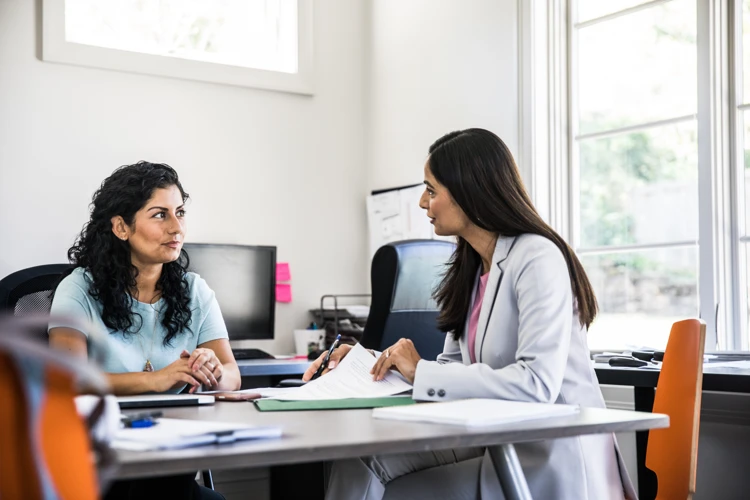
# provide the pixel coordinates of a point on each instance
(107, 258)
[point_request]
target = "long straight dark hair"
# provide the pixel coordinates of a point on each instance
(478, 170)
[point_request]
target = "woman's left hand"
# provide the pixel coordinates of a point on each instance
(401, 356)
(205, 360)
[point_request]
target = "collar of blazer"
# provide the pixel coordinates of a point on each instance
(502, 249)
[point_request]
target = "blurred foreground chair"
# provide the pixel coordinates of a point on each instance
(45, 446)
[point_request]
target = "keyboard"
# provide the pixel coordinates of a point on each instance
(240, 354)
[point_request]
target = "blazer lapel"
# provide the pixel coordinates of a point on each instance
(502, 249)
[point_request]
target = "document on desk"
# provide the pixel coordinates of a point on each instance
(475, 412)
(173, 433)
(350, 379)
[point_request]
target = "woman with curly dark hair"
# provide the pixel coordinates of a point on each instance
(130, 279)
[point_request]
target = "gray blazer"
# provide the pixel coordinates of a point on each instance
(530, 346)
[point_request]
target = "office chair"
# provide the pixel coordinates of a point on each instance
(672, 453)
(27, 292)
(404, 275)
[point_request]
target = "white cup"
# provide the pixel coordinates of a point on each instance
(306, 341)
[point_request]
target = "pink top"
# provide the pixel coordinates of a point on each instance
(476, 308)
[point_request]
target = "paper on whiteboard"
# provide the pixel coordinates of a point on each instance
(396, 216)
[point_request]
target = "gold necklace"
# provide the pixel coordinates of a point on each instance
(148, 367)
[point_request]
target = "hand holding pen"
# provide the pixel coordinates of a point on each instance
(326, 361)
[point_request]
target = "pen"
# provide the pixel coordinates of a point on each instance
(142, 415)
(143, 419)
(146, 422)
(327, 358)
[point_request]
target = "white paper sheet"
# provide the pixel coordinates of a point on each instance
(350, 379)
(396, 215)
(475, 412)
(172, 433)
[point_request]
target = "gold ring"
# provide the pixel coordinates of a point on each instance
(387, 354)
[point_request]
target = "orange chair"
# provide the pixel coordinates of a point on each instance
(672, 453)
(45, 446)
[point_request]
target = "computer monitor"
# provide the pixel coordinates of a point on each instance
(244, 280)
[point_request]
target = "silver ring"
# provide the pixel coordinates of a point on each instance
(210, 366)
(387, 354)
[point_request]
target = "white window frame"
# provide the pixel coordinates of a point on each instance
(547, 131)
(736, 173)
(55, 48)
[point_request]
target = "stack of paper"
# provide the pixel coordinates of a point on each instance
(475, 412)
(171, 433)
(350, 379)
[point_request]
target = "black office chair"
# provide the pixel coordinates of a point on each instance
(28, 291)
(404, 275)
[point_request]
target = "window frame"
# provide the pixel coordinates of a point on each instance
(547, 40)
(55, 48)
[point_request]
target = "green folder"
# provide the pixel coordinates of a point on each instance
(332, 404)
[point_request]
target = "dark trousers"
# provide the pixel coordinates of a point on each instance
(181, 487)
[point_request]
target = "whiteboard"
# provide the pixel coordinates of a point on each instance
(395, 215)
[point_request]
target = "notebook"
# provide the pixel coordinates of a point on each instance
(475, 412)
(163, 400)
(173, 433)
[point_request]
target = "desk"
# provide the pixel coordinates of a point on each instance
(315, 436)
(722, 379)
(643, 381)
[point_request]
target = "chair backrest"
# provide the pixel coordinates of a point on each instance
(45, 446)
(672, 453)
(27, 292)
(404, 275)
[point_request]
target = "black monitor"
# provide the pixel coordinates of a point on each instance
(244, 280)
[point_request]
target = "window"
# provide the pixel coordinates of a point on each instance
(259, 43)
(647, 121)
(635, 164)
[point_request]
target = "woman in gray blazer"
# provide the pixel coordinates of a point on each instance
(517, 304)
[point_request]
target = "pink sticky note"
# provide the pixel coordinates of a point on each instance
(283, 293)
(282, 272)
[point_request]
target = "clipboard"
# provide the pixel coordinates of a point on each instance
(332, 404)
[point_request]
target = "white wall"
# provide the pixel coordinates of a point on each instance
(437, 66)
(262, 167)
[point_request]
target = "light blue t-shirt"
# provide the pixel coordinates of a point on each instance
(127, 353)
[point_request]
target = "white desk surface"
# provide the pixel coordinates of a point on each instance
(312, 436)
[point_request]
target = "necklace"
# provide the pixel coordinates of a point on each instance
(148, 367)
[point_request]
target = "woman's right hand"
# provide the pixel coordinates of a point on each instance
(336, 356)
(176, 375)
